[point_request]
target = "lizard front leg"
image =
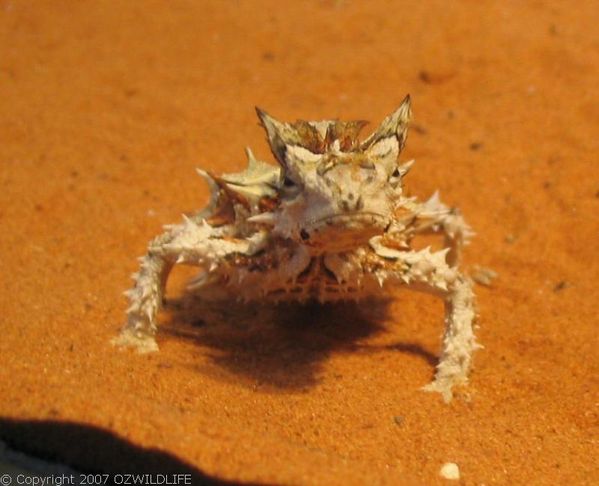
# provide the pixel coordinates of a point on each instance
(191, 243)
(430, 272)
(459, 341)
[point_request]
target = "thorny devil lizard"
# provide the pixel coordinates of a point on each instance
(330, 222)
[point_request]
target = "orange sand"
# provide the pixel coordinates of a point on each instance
(106, 108)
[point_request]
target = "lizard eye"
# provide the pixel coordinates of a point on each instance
(290, 189)
(395, 173)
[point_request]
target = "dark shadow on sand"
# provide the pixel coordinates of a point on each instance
(90, 449)
(281, 347)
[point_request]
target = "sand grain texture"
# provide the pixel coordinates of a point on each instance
(106, 108)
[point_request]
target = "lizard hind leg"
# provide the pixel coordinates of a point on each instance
(434, 217)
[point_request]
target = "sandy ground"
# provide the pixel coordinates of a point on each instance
(106, 108)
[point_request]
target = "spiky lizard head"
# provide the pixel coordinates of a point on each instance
(331, 191)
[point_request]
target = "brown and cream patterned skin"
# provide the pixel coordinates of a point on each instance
(329, 222)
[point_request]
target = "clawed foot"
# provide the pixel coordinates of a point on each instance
(444, 386)
(140, 341)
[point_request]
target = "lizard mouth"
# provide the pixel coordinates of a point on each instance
(350, 220)
(341, 232)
